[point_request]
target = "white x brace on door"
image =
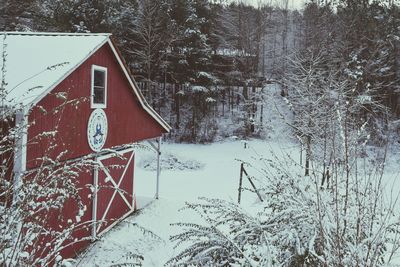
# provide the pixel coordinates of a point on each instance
(114, 190)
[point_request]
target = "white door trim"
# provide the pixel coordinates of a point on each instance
(97, 224)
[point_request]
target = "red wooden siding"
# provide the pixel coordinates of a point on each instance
(7, 157)
(66, 217)
(127, 121)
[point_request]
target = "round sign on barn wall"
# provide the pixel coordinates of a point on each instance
(97, 129)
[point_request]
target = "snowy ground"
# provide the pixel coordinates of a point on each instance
(218, 178)
(189, 171)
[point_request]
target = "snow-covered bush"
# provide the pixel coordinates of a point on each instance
(336, 214)
(219, 240)
(30, 199)
(299, 223)
(170, 162)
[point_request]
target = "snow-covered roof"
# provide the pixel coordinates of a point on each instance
(36, 62)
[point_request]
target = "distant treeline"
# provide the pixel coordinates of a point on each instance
(190, 55)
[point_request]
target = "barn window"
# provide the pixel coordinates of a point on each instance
(99, 87)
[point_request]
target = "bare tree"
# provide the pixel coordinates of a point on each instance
(149, 44)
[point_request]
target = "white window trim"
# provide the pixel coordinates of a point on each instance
(95, 105)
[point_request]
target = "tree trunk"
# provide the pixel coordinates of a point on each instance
(223, 102)
(177, 106)
(308, 155)
(193, 128)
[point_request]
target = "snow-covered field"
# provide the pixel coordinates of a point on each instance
(217, 178)
(190, 171)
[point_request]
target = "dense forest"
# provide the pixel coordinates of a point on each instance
(203, 64)
(206, 66)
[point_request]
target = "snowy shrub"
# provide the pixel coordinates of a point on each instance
(336, 214)
(208, 130)
(171, 162)
(300, 223)
(31, 199)
(219, 241)
(28, 199)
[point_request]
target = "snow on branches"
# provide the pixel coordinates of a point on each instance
(299, 223)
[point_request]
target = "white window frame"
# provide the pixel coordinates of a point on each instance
(97, 105)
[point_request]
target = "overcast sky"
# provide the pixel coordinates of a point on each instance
(295, 4)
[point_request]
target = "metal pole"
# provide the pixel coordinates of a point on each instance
(254, 187)
(158, 166)
(252, 184)
(240, 183)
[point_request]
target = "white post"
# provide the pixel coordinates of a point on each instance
(21, 122)
(94, 207)
(158, 166)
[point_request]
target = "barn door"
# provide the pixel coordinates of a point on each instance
(114, 193)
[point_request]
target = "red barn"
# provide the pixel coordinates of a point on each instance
(98, 111)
